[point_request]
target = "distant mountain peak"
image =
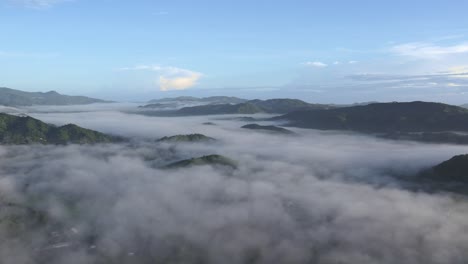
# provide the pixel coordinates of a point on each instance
(186, 138)
(11, 97)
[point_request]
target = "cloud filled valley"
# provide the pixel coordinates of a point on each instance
(315, 197)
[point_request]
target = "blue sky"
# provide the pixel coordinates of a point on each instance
(319, 51)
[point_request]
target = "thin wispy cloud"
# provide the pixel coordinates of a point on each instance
(38, 4)
(397, 77)
(316, 64)
(425, 50)
(170, 78)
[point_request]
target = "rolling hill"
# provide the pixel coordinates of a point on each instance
(191, 138)
(271, 129)
(17, 130)
(213, 160)
(452, 170)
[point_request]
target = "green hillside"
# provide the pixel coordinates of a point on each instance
(384, 118)
(186, 138)
(213, 160)
(273, 129)
(28, 130)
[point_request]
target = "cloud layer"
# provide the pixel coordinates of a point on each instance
(319, 197)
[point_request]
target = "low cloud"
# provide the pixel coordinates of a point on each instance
(319, 197)
(171, 78)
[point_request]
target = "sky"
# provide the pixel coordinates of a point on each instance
(318, 51)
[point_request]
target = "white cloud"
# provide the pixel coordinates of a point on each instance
(459, 71)
(178, 83)
(317, 64)
(39, 4)
(352, 62)
(454, 85)
(171, 78)
(426, 50)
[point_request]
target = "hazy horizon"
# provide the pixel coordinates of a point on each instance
(324, 52)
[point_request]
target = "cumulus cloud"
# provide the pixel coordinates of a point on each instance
(319, 197)
(171, 78)
(179, 80)
(317, 64)
(425, 50)
(39, 4)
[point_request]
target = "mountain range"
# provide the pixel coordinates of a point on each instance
(207, 100)
(384, 118)
(271, 106)
(191, 138)
(11, 97)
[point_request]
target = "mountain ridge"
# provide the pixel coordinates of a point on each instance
(22, 130)
(270, 106)
(383, 118)
(12, 97)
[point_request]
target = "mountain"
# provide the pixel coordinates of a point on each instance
(430, 137)
(206, 100)
(273, 129)
(10, 97)
(453, 170)
(220, 109)
(213, 160)
(186, 138)
(223, 100)
(280, 106)
(159, 106)
(174, 99)
(271, 106)
(27, 130)
(384, 118)
(464, 105)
